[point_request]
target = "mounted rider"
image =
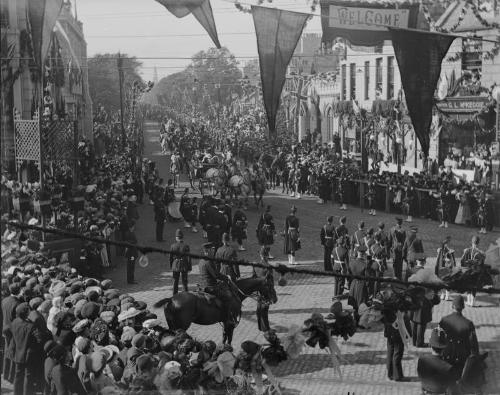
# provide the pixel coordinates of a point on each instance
(219, 286)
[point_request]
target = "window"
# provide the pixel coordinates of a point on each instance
(367, 80)
(472, 55)
(378, 75)
(352, 77)
(344, 86)
(390, 77)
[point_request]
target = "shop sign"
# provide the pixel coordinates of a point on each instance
(470, 104)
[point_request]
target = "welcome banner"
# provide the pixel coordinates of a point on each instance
(364, 24)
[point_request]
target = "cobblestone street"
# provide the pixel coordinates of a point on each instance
(364, 369)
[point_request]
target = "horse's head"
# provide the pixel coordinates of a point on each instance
(267, 291)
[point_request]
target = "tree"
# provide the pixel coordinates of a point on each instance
(208, 81)
(104, 79)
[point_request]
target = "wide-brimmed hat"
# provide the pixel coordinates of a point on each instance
(130, 313)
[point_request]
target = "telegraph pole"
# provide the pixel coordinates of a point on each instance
(120, 79)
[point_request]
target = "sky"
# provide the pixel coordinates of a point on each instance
(145, 29)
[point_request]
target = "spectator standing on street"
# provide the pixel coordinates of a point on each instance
(27, 346)
(131, 253)
(396, 241)
(180, 264)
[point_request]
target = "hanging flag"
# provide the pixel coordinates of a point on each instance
(202, 11)
(42, 16)
(277, 32)
(419, 56)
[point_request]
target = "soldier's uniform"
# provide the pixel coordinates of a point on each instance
(265, 229)
(358, 240)
(378, 264)
(327, 237)
(396, 242)
(238, 230)
(160, 217)
(212, 226)
(411, 249)
(209, 273)
(180, 264)
(357, 289)
(342, 230)
(340, 259)
(227, 252)
(462, 339)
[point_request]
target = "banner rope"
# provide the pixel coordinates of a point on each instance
(280, 268)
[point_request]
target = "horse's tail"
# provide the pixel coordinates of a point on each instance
(162, 302)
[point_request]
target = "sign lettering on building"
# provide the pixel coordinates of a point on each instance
(470, 104)
(358, 18)
(364, 24)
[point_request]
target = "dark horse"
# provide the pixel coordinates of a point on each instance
(187, 307)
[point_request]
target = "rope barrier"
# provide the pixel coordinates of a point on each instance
(280, 268)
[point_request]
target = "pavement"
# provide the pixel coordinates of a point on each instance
(363, 368)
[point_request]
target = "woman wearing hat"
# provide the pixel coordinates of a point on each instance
(292, 236)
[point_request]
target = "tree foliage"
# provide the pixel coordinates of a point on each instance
(208, 81)
(104, 79)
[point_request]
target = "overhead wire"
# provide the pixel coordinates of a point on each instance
(280, 268)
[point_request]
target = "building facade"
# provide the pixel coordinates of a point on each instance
(65, 73)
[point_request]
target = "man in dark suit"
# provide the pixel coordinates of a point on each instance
(9, 305)
(327, 237)
(131, 253)
(226, 252)
(27, 345)
(160, 217)
(421, 317)
(180, 264)
(396, 241)
(435, 374)
(395, 347)
(461, 335)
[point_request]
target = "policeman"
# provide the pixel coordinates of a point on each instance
(435, 374)
(180, 264)
(226, 252)
(327, 237)
(461, 335)
(396, 242)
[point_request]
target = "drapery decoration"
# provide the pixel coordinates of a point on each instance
(42, 16)
(277, 32)
(201, 10)
(419, 56)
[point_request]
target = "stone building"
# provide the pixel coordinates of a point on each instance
(65, 72)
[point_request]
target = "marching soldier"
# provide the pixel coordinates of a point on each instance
(239, 228)
(371, 196)
(180, 264)
(445, 260)
(384, 237)
(266, 229)
(292, 236)
(327, 237)
(358, 238)
(396, 242)
(357, 289)
(472, 256)
(379, 261)
(412, 250)
(226, 252)
(340, 258)
(461, 335)
(342, 230)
